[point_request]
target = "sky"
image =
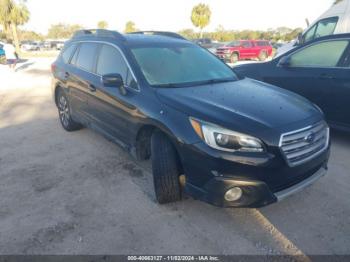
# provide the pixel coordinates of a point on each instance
(174, 15)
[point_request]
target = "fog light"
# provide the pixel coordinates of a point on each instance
(233, 194)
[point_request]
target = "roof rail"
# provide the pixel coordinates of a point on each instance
(99, 33)
(162, 33)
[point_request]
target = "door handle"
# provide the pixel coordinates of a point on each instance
(91, 87)
(326, 76)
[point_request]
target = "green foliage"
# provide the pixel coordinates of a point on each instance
(102, 25)
(200, 16)
(130, 27)
(337, 1)
(19, 14)
(62, 31)
(30, 35)
(222, 35)
(5, 13)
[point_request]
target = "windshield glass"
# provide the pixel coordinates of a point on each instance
(234, 44)
(176, 66)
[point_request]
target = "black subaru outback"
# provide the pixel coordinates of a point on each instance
(234, 142)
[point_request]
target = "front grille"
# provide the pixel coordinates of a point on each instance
(302, 145)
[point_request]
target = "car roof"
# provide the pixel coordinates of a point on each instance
(130, 39)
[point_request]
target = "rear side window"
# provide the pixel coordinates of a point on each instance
(246, 44)
(262, 43)
(67, 53)
(111, 61)
(325, 54)
(86, 56)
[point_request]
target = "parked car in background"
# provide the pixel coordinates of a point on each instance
(159, 96)
(318, 70)
(2, 54)
(204, 42)
(30, 46)
(59, 45)
(245, 49)
(214, 46)
(336, 20)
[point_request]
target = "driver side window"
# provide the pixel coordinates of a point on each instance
(111, 61)
(324, 54)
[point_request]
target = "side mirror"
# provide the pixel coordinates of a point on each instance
(299, 39)
(284, 61)
(114, 80)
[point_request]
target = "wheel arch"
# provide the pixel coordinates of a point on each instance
(143, 141)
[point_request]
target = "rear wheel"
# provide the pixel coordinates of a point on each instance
(166, 169)
(64, 113)
(234, 58)
(263, 56)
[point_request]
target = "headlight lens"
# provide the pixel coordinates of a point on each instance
(224, 139)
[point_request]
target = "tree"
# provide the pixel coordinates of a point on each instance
(130, 27)
(102, 25)
(200, 17)
(13, 14)
(19, 16)
(5, 11)
(62, 31)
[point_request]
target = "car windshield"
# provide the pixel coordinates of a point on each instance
(180, 65)
(234, 43)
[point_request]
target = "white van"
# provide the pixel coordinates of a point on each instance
(336, 20)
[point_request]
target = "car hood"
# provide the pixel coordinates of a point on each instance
(241, 105)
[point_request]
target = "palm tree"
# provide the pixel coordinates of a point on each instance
(19, 16)
(5, 11)
(11, 16)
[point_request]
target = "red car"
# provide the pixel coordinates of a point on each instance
(245, 49)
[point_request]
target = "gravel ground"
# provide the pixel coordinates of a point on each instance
(76, 193)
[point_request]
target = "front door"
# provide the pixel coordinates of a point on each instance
(313, 72)
(113, 111)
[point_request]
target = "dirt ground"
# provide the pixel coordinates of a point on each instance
(77, 193)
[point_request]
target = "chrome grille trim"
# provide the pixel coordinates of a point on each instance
(295, 147)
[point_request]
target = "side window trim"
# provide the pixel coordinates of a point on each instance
(77, 49)
(307, 46)
(122, 55)
(344, 61)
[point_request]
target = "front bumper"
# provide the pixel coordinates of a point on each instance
(224, 56)
(209, 177)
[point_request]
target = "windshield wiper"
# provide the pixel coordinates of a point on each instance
(214, 81)
(197, 83)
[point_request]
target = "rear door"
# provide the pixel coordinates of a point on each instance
(82, 79)
(312, 72)
(246, 50)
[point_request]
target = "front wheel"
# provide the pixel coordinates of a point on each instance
(165, 167)
(64, 113)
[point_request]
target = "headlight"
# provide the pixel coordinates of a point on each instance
(224, 139)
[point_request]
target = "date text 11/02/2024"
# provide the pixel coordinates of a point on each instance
(173, 258)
